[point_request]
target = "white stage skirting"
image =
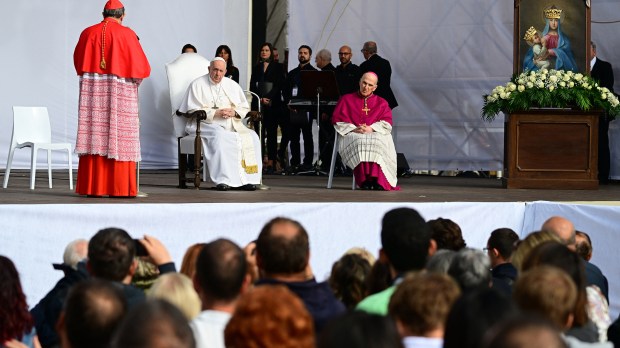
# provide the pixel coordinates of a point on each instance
(34, 236)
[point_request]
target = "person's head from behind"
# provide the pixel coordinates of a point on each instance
(92, 311)
(525, 331)
(282, 248)
(558, 255)
(584, 245)
(421, 303)
(303, 54)
(473, 315)
(525, 246)
(368, 83)
(406, 239)
(189, 48)
(220, 272)
(549, 292)
(266, 52)
(270, 316)
(154, 323)
(111, 253)
(563, 228)
(379, 278)
(440, 261)
(471, 269)
(369, 48)
(224, 52)
(501, 245)
(114, 9)
(322, 58)
(177, 289)
(348, 279)
(75, 252)
(360, 329)
(217, 69)
(15, 320)
(188, 265)
(447, 234)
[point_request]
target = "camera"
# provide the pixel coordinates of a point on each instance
(140, 249)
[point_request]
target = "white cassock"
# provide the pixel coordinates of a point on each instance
(232, 151)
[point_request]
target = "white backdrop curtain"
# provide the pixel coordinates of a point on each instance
(37, 45)
(445, 54)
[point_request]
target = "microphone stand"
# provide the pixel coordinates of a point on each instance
(317, 164)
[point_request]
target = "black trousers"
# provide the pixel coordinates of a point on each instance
(603, 149)
(301, 123)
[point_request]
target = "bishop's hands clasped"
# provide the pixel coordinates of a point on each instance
(363, 128)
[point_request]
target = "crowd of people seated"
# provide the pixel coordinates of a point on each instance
(425, 288)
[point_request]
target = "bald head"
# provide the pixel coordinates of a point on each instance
(563, 228)
(368, 84)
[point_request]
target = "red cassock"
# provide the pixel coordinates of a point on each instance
(108, 140)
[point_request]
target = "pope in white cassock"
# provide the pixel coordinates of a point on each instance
(232, 151)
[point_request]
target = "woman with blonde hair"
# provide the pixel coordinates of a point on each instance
(177, 289)
(525, 246)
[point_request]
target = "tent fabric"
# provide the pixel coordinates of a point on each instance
(445, 54)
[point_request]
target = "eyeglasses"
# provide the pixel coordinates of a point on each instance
(363, 50)
(485, 250)
(344, 53)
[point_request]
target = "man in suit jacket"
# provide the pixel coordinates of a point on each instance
(382, 68)
(601, 71)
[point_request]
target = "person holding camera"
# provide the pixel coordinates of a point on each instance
(111, 257)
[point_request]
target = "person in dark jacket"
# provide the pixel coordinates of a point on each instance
(111, 256)
(282, 256)
(383, 69)
(500, 246)
(267, 81)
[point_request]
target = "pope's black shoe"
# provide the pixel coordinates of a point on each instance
(248, 187)
(222, 187)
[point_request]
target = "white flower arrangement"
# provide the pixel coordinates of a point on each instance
(549, 89)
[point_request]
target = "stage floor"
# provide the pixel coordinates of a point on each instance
(161, 187)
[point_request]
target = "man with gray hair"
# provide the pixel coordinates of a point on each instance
(75, 252)
(383, 69)
(232, 151)
(471, 269)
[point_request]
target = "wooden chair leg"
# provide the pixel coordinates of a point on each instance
(197, 158)
(182, 165)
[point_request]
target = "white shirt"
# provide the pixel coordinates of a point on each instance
(208, 328)
(422, 342)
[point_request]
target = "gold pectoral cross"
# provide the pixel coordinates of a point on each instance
(365, 109)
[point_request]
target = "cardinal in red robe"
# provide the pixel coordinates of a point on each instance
(111, 65)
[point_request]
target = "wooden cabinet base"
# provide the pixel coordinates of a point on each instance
(551, 149)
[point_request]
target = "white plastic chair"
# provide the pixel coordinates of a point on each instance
(31, 128)
(181, 72)
(332, 165)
